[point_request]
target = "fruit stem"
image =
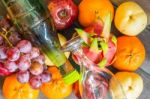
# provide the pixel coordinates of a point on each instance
(4, 35)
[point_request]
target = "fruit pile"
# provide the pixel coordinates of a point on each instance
(25, 65)
(125, 53)
(23, 58)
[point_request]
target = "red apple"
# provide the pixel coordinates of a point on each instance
(63, 12)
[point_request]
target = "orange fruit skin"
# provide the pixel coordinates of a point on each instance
(12, 89)
(130, 53)
(90, 10)
(56, 88)
(55, 72)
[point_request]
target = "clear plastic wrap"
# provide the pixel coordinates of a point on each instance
(94, 81)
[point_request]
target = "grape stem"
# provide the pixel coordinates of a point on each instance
(4, 35)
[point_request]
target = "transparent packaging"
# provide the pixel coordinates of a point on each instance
(94, 81)
(32, 19)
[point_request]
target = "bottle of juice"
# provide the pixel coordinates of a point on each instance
(32, 19)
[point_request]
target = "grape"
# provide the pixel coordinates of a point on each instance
(35, 52)
(13, 54)
(24, 46)
(35, 82)
(3, 71)
(40, 59)
(5, 23)
(11, 66)
(45, 77)
(27, 56)
(23, 76)
(1, 40)
(14, 38)
(3, 54)
(45, 67)
(24, 62)
(36, 68)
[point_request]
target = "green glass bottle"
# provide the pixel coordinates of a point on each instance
(32, 19)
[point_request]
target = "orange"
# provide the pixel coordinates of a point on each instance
(55, 72)
(130, 53)
(90, 10)
(131, 85)
(56, 89)
(12, 89)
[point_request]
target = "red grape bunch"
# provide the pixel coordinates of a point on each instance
(27, 61)
(20, 57)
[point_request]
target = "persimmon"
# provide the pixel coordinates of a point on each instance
(130, 53)
(12, 89)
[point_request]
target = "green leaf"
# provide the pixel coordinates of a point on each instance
(94, 45)
(107, 26)
(114, 39)
(104, 46)
(102, 63)
(85, 36)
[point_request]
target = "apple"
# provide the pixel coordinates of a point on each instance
(130, 18)
(63, 12)
(62, 40)
(131, 85)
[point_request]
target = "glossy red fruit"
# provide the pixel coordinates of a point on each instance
(24, 46)
(46, 77)
(40, 59)
(23, 76)
(35, 82)
(3, 70)
(13, 54)
(3, 51)
(36, 68)
(35, 52)
(63, 12)
(24, 62)
(1, 40)
(96, 27)
(14, 37)
(11, 66)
